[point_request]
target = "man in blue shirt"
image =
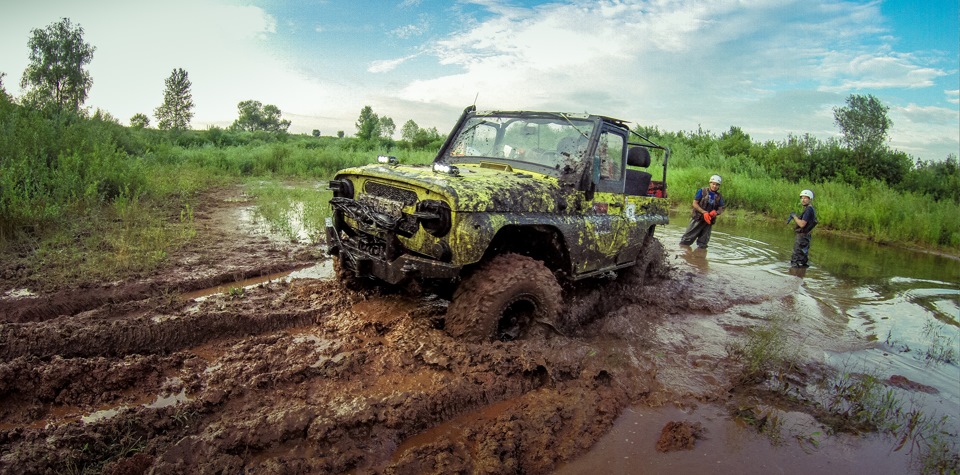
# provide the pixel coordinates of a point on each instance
(803, 224)
(707, 205)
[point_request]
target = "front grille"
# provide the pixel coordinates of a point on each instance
(406, 197)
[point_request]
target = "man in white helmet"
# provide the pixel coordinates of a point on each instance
(707, 205)
(802, 225)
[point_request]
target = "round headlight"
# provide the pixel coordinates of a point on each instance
(434, 216)
(342, 188)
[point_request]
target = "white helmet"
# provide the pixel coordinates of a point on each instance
(715, 179)
(807, 193)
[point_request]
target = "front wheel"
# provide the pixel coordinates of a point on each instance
(649, 266)
(503, 299)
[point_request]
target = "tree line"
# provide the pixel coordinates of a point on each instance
(858, 157)
(56, 80)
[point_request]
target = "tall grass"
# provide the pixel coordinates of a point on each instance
(297, 211)
(872, 209)
(57, 170)
(84, 198)
(281, 160)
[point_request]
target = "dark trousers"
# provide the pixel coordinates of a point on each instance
(801, 250)
(698, 230)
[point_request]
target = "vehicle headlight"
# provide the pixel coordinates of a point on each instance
(434, 216)
(446, 169)
(342, 188)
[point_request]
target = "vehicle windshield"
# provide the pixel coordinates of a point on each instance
(549, 143)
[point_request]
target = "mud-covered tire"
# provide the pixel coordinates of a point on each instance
(650, 265)
(503, 299)
(348, 279)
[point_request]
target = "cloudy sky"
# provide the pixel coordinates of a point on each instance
(771, 67)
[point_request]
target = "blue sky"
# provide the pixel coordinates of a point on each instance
(771, 67)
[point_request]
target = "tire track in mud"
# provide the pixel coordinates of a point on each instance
(73, 301)
(371, 387)
(140, 335)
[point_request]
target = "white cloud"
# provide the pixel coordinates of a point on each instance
(138, 44)
(412, 30)
(953, 96)
(877, 71)
(677, 64)
(388, 65)
(772, 67)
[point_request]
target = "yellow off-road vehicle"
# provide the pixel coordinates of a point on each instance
(513, 204)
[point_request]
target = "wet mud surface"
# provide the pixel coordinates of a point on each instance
(307, 376)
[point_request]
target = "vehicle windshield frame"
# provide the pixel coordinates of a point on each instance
(549, 143)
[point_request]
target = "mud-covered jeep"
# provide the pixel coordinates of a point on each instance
(513, 202)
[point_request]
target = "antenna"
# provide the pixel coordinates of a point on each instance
(475, 99)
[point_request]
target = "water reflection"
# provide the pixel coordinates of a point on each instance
(902, 305)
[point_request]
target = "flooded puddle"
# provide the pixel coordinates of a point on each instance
(860, 308)
(157, 403)
(290, 224)
(801, 446)
(322, 270)
(18, 294)
(290, 229)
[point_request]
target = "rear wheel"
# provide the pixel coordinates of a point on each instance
(503, 299)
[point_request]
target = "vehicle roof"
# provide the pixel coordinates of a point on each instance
(571, 115)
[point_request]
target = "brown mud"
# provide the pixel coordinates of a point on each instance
(306, 376)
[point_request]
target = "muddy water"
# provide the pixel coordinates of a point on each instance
(901, 307)
(860, 307)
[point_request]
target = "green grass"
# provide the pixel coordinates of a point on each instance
(872, 210)
(844, 401)
(87, 196)
(765, 354)
(295, 211)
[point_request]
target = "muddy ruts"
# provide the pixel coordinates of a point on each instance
(74, 301)
(35, 309)
(277, 403)
(138, 335)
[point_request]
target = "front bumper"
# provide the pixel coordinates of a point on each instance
(393, 271)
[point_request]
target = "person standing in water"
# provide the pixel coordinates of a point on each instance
(803, 225)
(707, 205)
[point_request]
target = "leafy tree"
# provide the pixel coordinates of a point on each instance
(368, 124)
(863, 122)
(256, 116)
(139, 121)
(340, 134)
(864, 125)
(425, 137)
(56, 75)
(409, 130)
(177, 108)
(316, 132)
(735, 142)
(387, 127)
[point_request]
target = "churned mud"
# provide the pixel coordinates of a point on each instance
(307, 376)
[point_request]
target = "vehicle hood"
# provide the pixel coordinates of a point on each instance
(476, 189)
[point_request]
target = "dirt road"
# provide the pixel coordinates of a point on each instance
(304, 376)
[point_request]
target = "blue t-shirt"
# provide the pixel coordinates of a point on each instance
(809, 215)
(713, 203)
